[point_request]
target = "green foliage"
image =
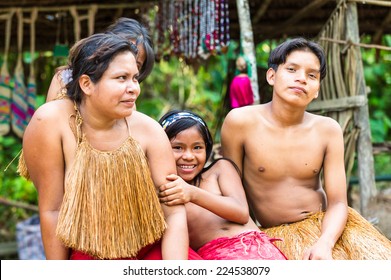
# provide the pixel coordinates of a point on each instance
(13, 187)
(377, 71)
(175, 85)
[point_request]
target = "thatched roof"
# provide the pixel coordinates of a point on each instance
(270, 18)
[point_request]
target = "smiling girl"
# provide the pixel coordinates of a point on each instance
(217, 212)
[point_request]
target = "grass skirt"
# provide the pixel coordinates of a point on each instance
(359, 241)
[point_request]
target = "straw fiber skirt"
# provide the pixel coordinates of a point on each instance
(359, 241)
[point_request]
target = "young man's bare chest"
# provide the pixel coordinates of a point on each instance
(273, 154)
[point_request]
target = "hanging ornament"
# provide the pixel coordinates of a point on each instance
(193, 28)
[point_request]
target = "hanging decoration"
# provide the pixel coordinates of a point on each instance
(19, 94)
(32, 84)
(5, 79)
(192, 28)
(61, 48)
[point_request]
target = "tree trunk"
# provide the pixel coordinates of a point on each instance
(366, 173)
(247, 43)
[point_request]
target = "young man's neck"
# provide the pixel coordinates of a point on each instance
(284, 115)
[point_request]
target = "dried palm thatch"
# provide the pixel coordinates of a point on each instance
(22, 168)
(110, 209)
(340, 82)
(359, 241)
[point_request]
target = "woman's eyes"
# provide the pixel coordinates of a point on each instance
(124, 78)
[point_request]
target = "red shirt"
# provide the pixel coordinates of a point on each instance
(240, 92)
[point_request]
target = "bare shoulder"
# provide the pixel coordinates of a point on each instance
(141, 121)
(50, 121)
(53, 111)
(147, 131)
(223, 166)
(243, 116)
(326, 124)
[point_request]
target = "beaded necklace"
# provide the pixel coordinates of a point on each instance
(193, 28)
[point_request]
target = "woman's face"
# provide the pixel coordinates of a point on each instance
(116, 92)
(189, 150)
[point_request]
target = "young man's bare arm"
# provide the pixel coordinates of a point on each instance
(231, 138)
(335, 186)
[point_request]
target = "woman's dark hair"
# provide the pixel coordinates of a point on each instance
(132, 30)
(279, 54)
(91, 56)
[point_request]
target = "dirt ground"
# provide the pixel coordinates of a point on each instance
(379, 210)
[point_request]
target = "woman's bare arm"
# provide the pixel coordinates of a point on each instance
(162, 163)
(43, 154)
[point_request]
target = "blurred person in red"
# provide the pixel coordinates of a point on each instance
(240, 92)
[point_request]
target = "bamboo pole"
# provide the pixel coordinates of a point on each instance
(366, 173)
(247, 41)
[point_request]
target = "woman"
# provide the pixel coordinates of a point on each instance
(88, 156)
(130, 29)
(217, 211)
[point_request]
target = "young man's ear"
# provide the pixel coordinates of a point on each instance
(85, 84)
(270, 75)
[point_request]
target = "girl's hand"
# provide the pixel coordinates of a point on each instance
(175, 192)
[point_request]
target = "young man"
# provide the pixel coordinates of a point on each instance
(282, 150)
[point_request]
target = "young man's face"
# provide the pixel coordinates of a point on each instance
(298, 79)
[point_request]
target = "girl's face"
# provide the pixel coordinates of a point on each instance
(141, 56)
(190, 153)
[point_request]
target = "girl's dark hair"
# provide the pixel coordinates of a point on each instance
(91, 56)
(279, 54)
(176, 121)
(133, 30)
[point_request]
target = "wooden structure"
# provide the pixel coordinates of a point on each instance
(345, 85)
(336, 24)
(270, 19)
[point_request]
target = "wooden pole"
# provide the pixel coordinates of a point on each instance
(247, 41)
(366, 173)
(18, 204)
